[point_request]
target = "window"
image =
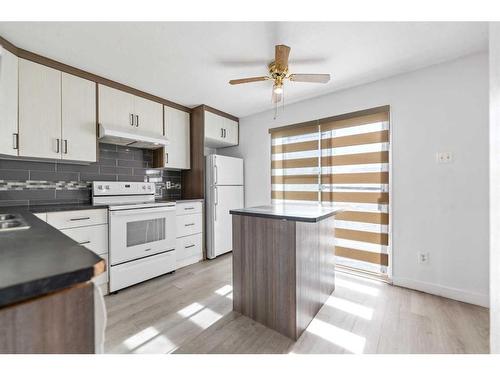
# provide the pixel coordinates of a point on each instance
(344, 161)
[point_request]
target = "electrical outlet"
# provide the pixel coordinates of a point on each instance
(444, 157)
(169, 185)
(423, 258)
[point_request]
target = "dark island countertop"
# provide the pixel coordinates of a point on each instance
(294, 212)
(41, 260)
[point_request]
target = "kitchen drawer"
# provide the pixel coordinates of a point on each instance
(136, 271)
(80, 218)
(103, 277)
(94, 237)
(189, 246)
(188, 208)
(188, 225)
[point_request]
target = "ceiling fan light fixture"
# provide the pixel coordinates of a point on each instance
(278, 89)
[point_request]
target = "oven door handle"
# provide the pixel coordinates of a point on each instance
(142, 211)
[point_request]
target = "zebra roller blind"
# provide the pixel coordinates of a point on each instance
(342, 161)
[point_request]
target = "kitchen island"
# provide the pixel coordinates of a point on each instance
(283, 264)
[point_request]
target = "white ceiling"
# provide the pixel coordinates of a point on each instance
(191, 63)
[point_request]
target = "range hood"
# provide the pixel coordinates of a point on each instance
(131, 138)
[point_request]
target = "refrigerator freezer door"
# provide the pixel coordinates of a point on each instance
(227, 170)
(226, 198)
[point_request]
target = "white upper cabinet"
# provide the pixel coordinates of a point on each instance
(148, 115)
(177, 131)
(231, 131)
(116, 108)
(79, 141)
(8, 102)
(57, 114)
(220, 131)
(39, 110)
(120, 109)
(213, 128)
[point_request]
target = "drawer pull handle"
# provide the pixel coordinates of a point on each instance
(187, 247)
(189, 225)
(83, 243)
(147, 249)
(189, 208)
(79, 218)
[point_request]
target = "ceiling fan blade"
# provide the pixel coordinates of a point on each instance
(276, 97)
(314, 78)
(248, 80)
(281, 56)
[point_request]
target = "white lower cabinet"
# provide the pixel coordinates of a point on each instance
(87, 227)
(189, 242)
(94, 237)
(189, 250)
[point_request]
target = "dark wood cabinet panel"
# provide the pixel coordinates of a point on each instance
(58, 323)
(283, 271)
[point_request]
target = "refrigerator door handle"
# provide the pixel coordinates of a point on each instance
(215, 175)
(216, 202)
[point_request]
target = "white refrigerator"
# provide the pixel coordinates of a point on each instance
(224, 184)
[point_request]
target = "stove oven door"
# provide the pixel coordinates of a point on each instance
(140, 232)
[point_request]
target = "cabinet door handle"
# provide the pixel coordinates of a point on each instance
(221, 133)
(224, 133)
(136, 121)
(15, 141)
(65, 146)
(131, 119)
(57, 145)
(83, 243)
(187, 247)
(167, 157)
(189, 225)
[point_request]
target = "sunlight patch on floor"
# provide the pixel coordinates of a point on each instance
(338, 336)
(350, 307)
(200, 315)
(224, 290)
(140, 338)
(205, 318)
(190, 309)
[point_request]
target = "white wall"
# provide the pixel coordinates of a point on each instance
(495, 187)
(439, 208)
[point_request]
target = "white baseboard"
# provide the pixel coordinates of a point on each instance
(443, 291)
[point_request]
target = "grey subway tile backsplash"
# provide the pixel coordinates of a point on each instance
(30, 182)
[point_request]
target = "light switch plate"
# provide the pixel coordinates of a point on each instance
(444, 157)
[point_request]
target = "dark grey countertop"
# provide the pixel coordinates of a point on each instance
(42, 208)
(294, 212)
(40, 260)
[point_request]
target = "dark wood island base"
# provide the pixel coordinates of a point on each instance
(283, 268)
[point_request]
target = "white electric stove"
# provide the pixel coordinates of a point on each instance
(141, 231)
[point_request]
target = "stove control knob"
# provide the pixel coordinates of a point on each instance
(99, 187)
(106, 187)
(149, 187)
(143, 187)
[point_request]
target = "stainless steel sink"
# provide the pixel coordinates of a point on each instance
(12, 222)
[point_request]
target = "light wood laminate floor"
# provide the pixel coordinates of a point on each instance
(191, 312)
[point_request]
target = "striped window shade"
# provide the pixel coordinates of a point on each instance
(295, 164)
(343, 161)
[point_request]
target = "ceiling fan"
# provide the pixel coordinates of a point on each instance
(278, 73)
